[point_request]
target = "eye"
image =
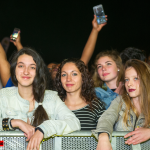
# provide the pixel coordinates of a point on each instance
(20, 66)
(108, 64)
(74, 74)
(98, 67)
(33, 68)
(126, 80)
(63, 75)
(135, 78)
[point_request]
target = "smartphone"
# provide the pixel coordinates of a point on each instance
(99, 12)
(15, 34)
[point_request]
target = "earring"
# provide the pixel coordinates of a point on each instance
(118, 70)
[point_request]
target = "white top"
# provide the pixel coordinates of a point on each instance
(61, 119)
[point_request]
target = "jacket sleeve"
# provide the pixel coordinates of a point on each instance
(64, 123)
(108, 119)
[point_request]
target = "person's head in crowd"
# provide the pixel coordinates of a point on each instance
(137, 87)
(108, 69)
(27, 65)
(53, 69)
(132, 53)
(73, 77)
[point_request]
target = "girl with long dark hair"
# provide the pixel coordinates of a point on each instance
(38, 112)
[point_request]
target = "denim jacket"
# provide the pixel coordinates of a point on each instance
(105, 96)
(112, 119)
(61, 119)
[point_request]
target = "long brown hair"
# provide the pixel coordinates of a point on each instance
(39, 83)
(143, 72)
(114, 55)
(87, 91)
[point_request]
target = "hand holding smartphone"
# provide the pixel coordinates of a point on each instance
(100, 15)
(15, 34)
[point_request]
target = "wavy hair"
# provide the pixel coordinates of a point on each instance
(87, 90)
(143, 72)
(39, 83)
(113, 54)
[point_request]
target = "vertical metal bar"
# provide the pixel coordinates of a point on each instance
(58, 142)
(136, 147)
(113, 142)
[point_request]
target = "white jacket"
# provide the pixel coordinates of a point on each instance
(61, 119)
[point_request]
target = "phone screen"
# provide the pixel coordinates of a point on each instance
(100, 15)
(15, 34)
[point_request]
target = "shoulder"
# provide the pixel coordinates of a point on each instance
(100, 91)
(9, 91)
(51, 96)
(97, 104)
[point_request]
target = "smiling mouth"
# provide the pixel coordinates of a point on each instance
(105, 74)
(131, 90)
(26, 77)
(69, 85)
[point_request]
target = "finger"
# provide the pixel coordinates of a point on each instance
(133, 139)
(137, 128)
(129, 134)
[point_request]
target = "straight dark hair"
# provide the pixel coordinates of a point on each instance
(39, 83)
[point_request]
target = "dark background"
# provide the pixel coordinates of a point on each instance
(60, 29)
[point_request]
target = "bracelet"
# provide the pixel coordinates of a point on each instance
(5, 124)
(38, 128)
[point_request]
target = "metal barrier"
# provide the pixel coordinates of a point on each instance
(79, 140)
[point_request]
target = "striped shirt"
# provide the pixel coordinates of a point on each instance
(89, 118)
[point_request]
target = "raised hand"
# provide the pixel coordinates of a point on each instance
(97, 26)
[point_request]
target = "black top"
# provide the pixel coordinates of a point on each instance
(89, 118)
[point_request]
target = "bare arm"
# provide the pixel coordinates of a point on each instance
(17, 42)
(90, 45)
(4, 67)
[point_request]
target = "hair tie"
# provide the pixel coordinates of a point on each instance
(40, 104)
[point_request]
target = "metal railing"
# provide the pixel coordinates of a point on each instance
(79, 140)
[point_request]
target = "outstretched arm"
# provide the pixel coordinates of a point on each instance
(17, 42)
(90, 45)
(4, 67)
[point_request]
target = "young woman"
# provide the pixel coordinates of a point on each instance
(39, 113)
(76, 88)
(129, 112)
(108, 76)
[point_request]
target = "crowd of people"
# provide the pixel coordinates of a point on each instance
(60, 98)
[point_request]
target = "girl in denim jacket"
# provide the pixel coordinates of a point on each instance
(108, 76)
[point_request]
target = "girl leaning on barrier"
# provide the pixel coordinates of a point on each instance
(76, 88)
(107, 76)
(129, 112)
(38, 112)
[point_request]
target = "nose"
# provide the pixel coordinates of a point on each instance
(26, 71)
(69, 78)
(130, 83)
(103, 68)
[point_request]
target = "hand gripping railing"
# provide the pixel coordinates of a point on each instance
(79, 140)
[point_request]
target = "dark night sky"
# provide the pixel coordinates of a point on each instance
(60, 29)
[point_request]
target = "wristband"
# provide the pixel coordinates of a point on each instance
(38, 128)
(5, 124)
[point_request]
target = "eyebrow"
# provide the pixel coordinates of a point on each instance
(71, 71)
(105, 62)
(23, 63)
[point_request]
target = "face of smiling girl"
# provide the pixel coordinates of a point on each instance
(25, 70)
(107, 69)
(71, 78)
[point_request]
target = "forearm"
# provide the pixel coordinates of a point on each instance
(89, 47)
(19, 46)
(2, 53)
